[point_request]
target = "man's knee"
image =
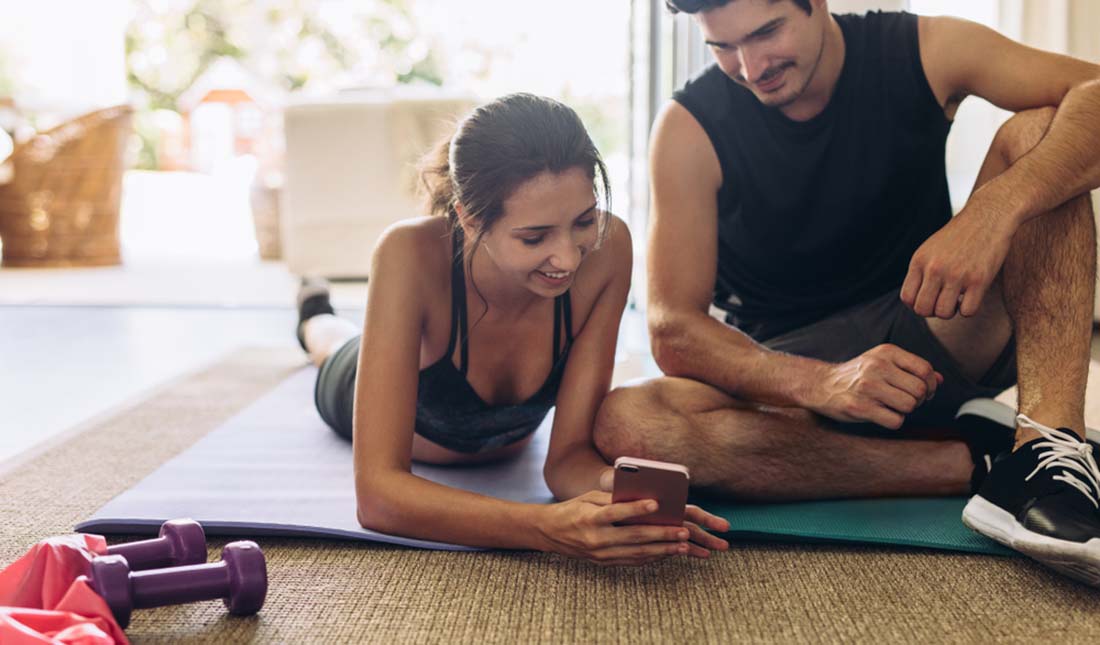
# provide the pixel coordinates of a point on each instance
(614, 433)
(1022, 132)
(627, 419)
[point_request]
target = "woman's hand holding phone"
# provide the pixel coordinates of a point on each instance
(591, 527)
(633, 479)
(588, 527)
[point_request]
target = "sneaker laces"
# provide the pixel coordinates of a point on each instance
(1066, 451)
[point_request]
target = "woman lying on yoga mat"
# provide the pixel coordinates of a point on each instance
(477, 323)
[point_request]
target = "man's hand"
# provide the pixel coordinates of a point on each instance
(954, 268)
(881, 386)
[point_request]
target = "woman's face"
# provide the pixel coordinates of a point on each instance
(548, 226)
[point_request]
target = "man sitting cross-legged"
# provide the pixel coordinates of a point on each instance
(799, 185)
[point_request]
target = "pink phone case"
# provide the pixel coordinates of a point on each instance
(647, 479)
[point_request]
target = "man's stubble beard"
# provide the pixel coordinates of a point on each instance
(782, 103)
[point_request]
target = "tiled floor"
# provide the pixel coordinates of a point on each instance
(61, 365)
(166, 283)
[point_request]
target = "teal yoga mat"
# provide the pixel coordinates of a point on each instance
(275, 469)
(917, 522)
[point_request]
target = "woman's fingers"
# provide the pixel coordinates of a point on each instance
(708, 520)
(704, 539)
(597, 497)
(647, 534)
(638, 552)
(613, 513)
(636, 543)
(696, 551)
(607, 480)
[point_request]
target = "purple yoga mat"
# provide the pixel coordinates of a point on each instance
(276, 469)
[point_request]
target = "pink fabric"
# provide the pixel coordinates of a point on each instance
(45, 598)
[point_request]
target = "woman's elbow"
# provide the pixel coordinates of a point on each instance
(374, 509)
(369, 514)
(552, 475)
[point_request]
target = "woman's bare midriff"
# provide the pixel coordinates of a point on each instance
(429, 452)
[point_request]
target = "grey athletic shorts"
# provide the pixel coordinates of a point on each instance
(850, 332)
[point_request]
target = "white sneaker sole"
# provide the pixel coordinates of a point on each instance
(1080, 561)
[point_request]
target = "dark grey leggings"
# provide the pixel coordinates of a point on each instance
(334, 393)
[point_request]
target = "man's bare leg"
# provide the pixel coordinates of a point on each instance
(753, 452)
(1045, 292)
(1033, 500)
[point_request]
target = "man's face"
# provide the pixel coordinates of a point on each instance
(771, 48)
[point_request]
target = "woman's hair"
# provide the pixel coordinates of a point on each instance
(499, 146)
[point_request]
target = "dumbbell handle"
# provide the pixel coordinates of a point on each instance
(181, 542)
(144, 554)
(179, 585)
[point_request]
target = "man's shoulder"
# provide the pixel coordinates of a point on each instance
(708, 76)
(709, 88)
(714, 100)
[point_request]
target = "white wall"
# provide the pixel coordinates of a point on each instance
(66, 55)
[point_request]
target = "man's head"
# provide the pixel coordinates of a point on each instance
(771, 47)
(695, 6)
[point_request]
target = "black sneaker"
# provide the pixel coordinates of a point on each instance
(989, 429)
(1043, 500)
(313, 300)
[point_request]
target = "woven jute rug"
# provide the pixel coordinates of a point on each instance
(341, 592)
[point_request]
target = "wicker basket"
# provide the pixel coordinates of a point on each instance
(61, 206)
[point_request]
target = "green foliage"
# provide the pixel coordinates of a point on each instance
(286, 45)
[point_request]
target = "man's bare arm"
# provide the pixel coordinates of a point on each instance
(682, 258)
(881, 385)
(952, 271)
(963, 58)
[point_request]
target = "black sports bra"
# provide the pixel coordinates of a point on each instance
(448, 410)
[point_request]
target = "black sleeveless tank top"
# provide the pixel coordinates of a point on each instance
(449, 410)
(819, 215)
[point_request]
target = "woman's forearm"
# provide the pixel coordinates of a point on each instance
(578, 472)
(411, 506)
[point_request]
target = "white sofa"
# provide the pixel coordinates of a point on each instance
(350, 173)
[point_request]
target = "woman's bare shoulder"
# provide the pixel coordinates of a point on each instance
(612, 261)
(605, 269)
(418, 245)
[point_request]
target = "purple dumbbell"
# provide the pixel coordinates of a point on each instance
(240, 579)
(181, 542)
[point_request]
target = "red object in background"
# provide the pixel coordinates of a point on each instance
(45, 599)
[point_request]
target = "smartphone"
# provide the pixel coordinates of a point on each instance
(647, 479)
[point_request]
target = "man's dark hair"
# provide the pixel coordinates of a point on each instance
(695, 6)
